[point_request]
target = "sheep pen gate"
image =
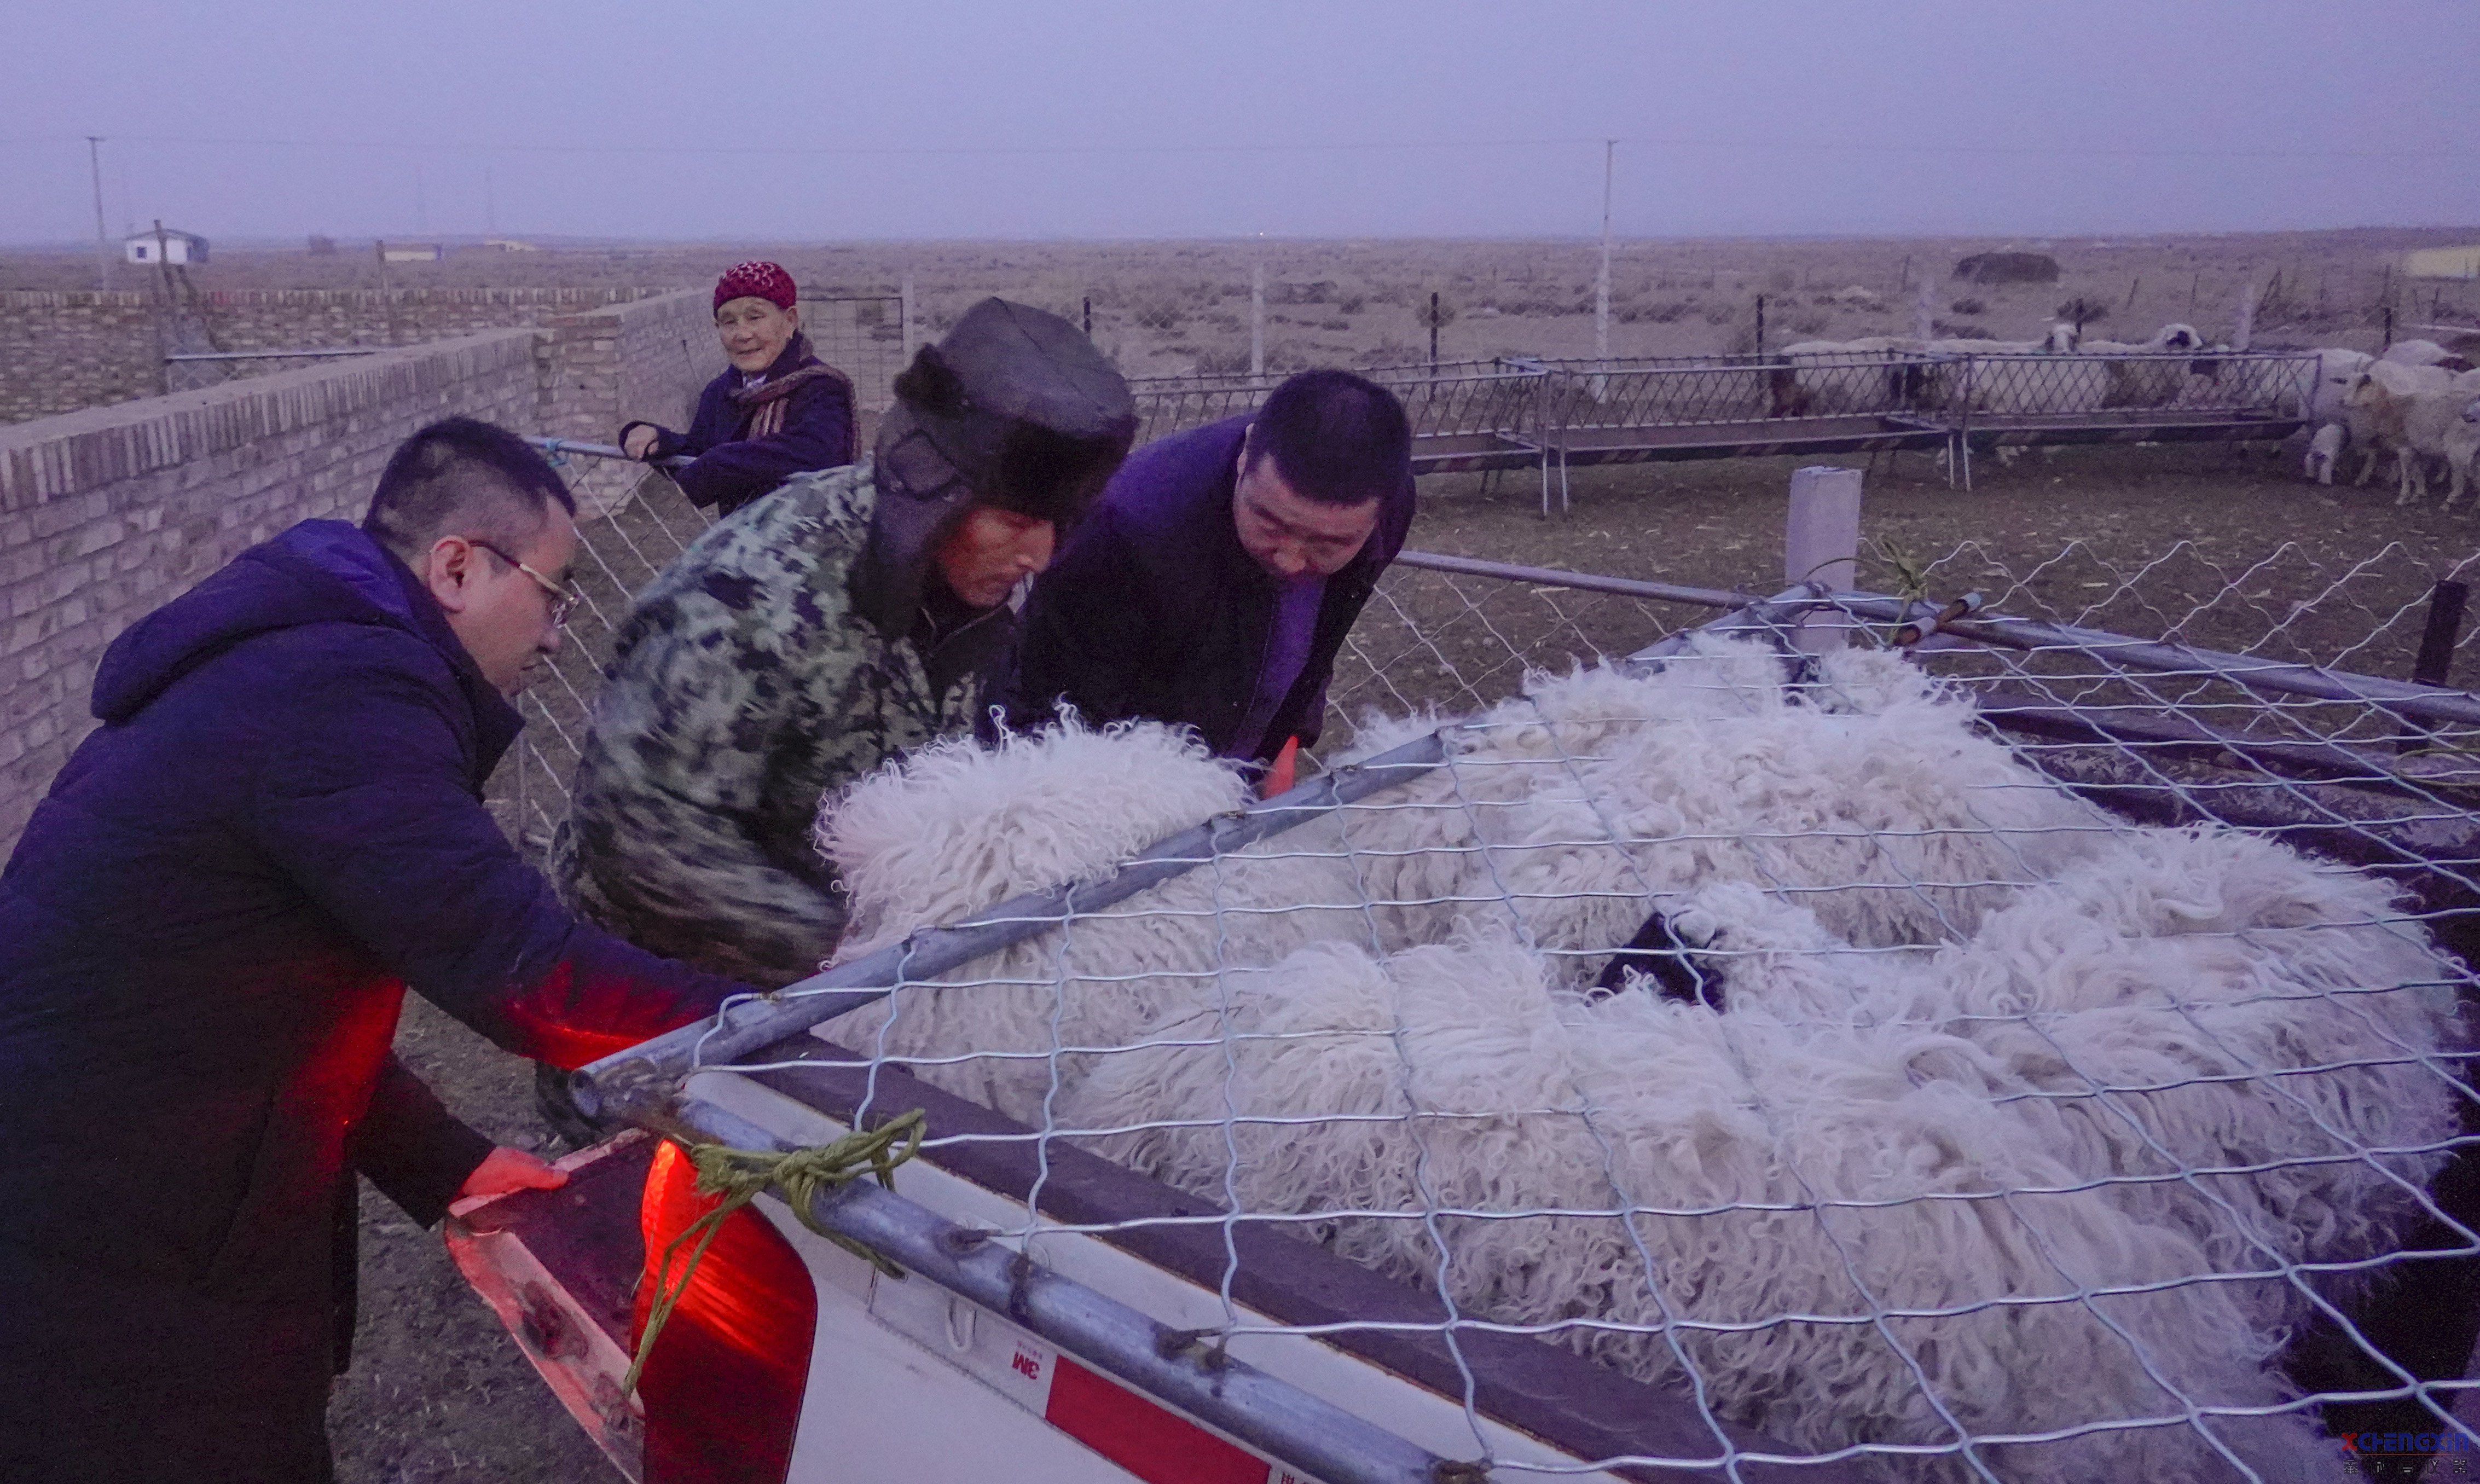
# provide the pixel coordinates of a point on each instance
(2255, 702)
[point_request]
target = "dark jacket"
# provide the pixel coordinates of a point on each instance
(1153, 609)
(731, 467)
(206, 932)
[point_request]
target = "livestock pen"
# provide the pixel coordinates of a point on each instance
(2298, 828)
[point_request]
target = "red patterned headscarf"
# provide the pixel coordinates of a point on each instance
(756, 280)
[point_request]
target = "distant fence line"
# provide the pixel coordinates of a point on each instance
(1547, 413)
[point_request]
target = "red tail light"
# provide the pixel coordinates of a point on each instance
(722, 1390)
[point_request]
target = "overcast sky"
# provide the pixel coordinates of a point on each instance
(766, 120)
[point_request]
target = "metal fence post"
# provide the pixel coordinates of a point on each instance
(1821, 539)
(2441, 632)
(906, 314)
(1821, 545)
(1258, 321)
(1602, 281)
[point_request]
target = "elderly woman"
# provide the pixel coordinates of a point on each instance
(780, 411)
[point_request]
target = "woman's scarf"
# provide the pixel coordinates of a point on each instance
(763, 406)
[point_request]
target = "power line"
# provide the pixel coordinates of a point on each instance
(1297, 146)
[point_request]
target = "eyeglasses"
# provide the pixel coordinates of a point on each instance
(563, 598)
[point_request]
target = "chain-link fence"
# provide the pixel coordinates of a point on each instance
(631, 521)
(865, 337)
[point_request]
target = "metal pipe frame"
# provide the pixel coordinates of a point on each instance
(2400, 698)
(602, 450)
(1273, 1417)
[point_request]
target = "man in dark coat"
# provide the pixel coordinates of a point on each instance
(1219, 574)
(206, 932)
(780, 411)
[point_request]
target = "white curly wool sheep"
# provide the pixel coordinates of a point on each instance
(1911, 1096)
(954, 829)
(1980, 1049)
(1579, 809)
(1868, 797)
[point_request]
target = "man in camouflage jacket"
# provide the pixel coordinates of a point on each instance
(821, 631)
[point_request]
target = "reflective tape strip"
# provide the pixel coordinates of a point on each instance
(1132, 1430)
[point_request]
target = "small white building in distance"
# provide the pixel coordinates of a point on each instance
(2442, 263)
(164, 244)
(409, 252)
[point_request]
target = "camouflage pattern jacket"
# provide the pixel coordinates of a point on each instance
(748, 683)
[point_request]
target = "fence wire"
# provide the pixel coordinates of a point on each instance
(1715, 1027)
(863, 335)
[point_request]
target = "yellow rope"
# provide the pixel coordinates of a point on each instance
(803, 1175)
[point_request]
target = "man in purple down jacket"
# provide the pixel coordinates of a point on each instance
(206, 932)
(780, 411)
(1215, 580)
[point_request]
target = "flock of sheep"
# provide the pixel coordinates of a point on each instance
(1984, 1113)
(2416, 402)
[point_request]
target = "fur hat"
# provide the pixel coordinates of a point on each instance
(1020, 404)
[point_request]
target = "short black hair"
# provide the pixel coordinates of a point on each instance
(461, 477)
(1336, 438)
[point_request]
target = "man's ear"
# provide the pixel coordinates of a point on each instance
(448, 570)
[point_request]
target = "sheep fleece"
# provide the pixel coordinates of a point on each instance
(1985, 1051)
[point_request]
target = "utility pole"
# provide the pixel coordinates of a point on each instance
(102, 238)
(1602, 284)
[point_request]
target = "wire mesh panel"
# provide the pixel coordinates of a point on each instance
(2288, 607)
(1672, 394)
(632, 521)
(1779, 1028)
(2146, 390)
(1449, 643)
(862, 337)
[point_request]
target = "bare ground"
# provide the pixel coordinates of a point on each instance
(438, 1391)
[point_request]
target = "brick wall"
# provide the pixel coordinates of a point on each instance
(647, 359)
(61, 352)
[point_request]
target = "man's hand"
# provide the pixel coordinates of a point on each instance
(507, 1168)
(639, 442)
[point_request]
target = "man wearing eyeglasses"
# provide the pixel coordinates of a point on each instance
(206, 932)
(1220, 572)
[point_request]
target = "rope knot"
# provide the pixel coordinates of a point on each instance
(803, 1175)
